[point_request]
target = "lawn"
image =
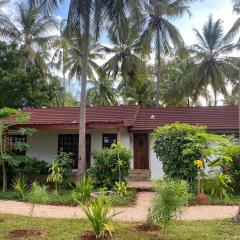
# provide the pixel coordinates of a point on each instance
(56, 229)
(64, 197)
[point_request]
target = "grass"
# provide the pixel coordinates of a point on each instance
(64, 197)
(59, 229)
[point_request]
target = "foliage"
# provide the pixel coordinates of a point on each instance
(105, 170)
(55, 174)
(121, 188)
(169, 146)
(37, 194)
(64, 161)
(82, 190)
(171, 197)
(99, 216)
(222, 186)
(20, 185)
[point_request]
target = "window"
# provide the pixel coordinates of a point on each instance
(69, 144)
(17, 138)
(108, 140)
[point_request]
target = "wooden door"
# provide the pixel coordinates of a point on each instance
(141, 160)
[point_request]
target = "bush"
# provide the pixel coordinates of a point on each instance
(233, 169)
(99, 216)
(82, 190)
(55, 174)
(121, 188)
(20, 186)
(170, 143)
(110, 166)
(171, 197)
(38, 194)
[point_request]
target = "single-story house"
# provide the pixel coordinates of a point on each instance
(57, 129)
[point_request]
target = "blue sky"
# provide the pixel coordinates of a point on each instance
(200, 11)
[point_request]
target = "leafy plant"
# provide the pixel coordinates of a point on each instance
(170, 143)
(222, 186)
(171, 197)
(99, 216)
(121, 188)
(56, 175)
(38, 193)
(107, 169)
(20, 185)
(82, 190)
(65, 162)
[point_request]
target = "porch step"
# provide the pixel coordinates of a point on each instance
(139, 175)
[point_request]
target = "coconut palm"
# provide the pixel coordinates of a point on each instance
(30, 28)
(213, 66)
(160, 31)
(61, 46)
(125, 62)
(102, 91)
(86, 16)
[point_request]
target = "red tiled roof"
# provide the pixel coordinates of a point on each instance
(215, 118)
(124, 114)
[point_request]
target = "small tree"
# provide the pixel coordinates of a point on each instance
(56, 174)
(7, 155)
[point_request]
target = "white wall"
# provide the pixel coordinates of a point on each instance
(44, 144)
(154, 163)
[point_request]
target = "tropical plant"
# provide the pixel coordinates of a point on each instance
(121, 188)
(213, 65)
(171, 197)
(106, 169)
(55, 175)
(29, 30)
(20, 186)
(99, 216)
(162, 32)
(222, 186)
(125, 62)
(37, 194)
(102, 91)
(82, 190)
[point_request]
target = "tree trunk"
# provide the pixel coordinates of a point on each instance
(215, 98)
(4, 177)
(82, 120)
(239, 108)
(158, 67)
(64, 82)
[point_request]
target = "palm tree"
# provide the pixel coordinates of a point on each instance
(102, 91)
(160, 31)
(61, 46)
(125, 61)
(30, 29)
(213, 65)
(87, 15)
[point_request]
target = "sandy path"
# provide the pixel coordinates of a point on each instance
(136, 213)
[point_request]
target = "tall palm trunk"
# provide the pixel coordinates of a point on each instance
(64, 82)
(215, 97)
(82, 120)
(158, 67)
(239, 108)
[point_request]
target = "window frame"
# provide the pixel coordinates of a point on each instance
(111, 135)
(13, 139)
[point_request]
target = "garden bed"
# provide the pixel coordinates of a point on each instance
(64, 198)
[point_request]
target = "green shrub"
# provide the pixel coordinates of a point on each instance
(222, 187)
(55, 174)
(38, 194)
(110, 166)
(170, 143)
(20, 186)
(121, 188)
(99, 216)
(65, 163)
(171, 197)
(82, 190)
